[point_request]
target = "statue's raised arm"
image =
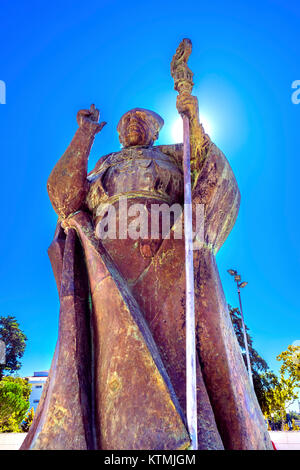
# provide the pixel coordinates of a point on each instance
(67, 184)
(187, 105)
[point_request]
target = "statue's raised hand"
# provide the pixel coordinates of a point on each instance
(187, 105)
(88, 120)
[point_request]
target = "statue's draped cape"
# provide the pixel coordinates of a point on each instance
(117, 379)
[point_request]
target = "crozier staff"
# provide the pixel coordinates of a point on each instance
(183, 78)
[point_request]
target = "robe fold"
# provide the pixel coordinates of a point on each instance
(117, 379)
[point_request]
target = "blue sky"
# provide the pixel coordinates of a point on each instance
(59, 57)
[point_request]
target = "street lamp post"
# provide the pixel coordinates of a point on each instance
(240, 285)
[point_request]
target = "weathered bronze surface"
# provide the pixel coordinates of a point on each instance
(66, 403)
(117, 379)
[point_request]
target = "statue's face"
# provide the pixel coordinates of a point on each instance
(138, 127)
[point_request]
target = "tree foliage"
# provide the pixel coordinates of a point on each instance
(15, 343)
(284, 389)
(279, 397)
(262, 376)
(274, 394)
(14, 402)
(291, 363)
(28, 420)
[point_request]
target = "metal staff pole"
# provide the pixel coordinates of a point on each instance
(183, 78)
(240, 284)
(245, 337)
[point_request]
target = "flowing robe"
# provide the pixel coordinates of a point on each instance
(117, 380)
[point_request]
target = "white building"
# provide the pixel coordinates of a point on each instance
(37, 382)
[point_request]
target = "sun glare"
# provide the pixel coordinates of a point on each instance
(207, 125)
(177, 131)
(177, 128)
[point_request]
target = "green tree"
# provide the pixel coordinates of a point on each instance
(14, 402)
(15, 343)
(291, 363)
(262, 376)
(284, 390)
(28, 420)
(274, 394)
(280, 396)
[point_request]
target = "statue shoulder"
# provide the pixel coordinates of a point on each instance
(217, 189)
(174, 151)
(216, 160)
(102, 164)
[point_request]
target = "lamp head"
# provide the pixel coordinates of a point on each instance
(243, 284)
(232, 272)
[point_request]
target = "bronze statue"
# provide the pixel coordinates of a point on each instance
(117, 379)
